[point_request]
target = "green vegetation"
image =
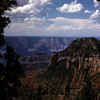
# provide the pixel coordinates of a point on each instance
(87, 92)
(4, 21)
(9, 75)
(10, 68)
(31, 95)
(51, 83)
(56, 76)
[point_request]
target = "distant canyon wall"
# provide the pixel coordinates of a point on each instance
(26, 46)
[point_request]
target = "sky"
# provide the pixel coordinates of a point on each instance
(57, 18)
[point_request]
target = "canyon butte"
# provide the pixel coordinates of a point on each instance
(81, 54)
(68, 74)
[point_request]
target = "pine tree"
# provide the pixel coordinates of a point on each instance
(10, 68)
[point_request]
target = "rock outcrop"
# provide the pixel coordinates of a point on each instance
(82, 54)
(67, 72)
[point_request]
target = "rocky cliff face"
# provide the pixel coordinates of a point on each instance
(82, 54)
(66, 72)
(26, 46)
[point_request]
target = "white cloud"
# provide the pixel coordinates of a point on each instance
(74, 7)
(60, 27)
(65, 24)
(33, 7)
(96, 3)
(34, 21)
(87, 11)
(96, 14)
(26, 19)
(22, 29)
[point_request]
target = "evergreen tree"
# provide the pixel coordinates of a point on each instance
(4, 21)
(10, 70)
(9, 75)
